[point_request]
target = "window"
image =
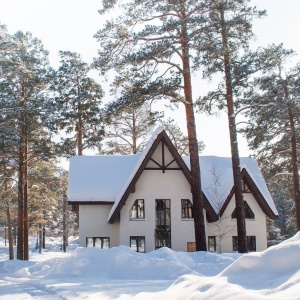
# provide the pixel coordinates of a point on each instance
(212, 243)
(137, 210)
(99, 242)
(248, 212)
(251, 243)
(186, 209)
(137, 243)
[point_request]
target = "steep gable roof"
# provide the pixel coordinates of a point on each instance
(156, 139)
(110, 179)
(212, 166)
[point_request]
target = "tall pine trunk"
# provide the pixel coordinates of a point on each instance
(199, 222)
(65, 223)
(22, 239)
(9, 227)
(294, 159)
(236, 170)
(134, 133)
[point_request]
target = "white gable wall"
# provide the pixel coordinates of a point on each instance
(152, 185)
(254, 227)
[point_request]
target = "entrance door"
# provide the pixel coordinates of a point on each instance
(163, 223)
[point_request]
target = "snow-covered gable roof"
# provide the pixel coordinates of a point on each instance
(222, 168)
(104, 178)
(107, 178)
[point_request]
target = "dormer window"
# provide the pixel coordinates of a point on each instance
(248, 212)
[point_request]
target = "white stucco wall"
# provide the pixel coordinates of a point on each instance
(154, 185)
(254, 227)
(93, 223)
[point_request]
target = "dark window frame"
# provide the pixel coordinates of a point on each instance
(209, 244)
(140, 210)
(251, 243)
(101, 239)
(249, 214)
(187, 209)
(138, 239)
(163, 223)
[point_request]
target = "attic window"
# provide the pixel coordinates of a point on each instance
(245, 187)
(248, 212)
(186, 209)
(137, 210)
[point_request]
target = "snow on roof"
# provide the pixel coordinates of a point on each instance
(106, 177)
(99, 178)
(217, 178)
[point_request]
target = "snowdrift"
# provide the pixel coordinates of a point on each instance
(271, 274)
(120, 273)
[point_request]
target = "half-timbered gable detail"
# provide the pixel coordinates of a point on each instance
(144, 200)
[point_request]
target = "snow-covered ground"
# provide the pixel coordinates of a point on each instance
(120, 273)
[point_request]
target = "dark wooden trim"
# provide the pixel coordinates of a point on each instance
(156, 162)
(170, 163)
(225, 204)
(163, 155)
(90, 203)
(256, 194)
(167, 142)
(211, 215)
(163, 169)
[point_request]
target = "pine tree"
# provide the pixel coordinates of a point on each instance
(274, 130)
(154, 40)
(78, 99)
(48, 187)
(220, 52)
(178, 138)
(25, 108)
(129, 129)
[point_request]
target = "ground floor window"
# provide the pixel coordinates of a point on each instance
(137, 243)
(211, 243)
(100, 242)
(251, 243)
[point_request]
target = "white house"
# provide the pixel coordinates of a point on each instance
(144, 201)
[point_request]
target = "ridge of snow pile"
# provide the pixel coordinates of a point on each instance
(123, 263)
(271, 274)
(120, 273)
(268, 268)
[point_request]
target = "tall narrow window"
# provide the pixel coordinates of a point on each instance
(99, 242)
(248, 212)
(186, 209)
(137, 243)
(212, 243)
(137, 210)
(162, 223)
